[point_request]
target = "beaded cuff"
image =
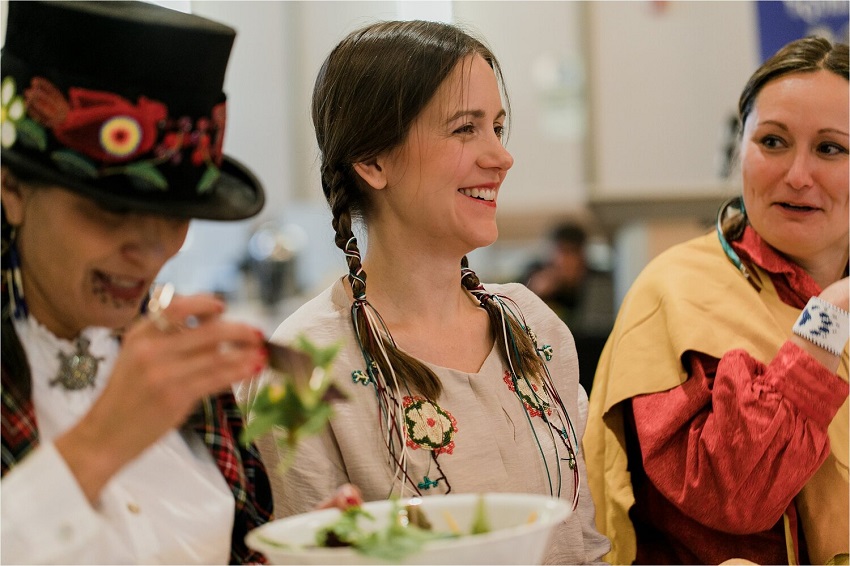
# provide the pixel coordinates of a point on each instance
(824, 325)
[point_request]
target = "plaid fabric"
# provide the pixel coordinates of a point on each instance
(219, 423)
(20, 434)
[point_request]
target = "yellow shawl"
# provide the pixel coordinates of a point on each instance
(690, 297)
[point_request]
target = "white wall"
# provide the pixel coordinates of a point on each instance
(665, 77)
(539, 45)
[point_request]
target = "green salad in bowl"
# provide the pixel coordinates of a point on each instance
(490, 528)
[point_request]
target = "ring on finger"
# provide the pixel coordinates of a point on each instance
(157, 303)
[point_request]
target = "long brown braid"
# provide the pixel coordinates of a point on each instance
(415, 374)
(518, 348)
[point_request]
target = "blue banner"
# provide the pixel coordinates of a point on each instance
(783, 21)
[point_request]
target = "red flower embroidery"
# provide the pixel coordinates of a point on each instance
(219, 119)
(101, 125)
(45, 104)
(529, 397)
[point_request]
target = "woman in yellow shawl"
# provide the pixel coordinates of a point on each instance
(718, 419)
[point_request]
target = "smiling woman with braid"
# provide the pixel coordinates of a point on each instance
(452, 386)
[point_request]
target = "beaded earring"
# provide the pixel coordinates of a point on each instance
(12, 278)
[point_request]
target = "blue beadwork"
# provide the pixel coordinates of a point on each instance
(824, 323)
(727, 248)
(13, 279)
(427, 483)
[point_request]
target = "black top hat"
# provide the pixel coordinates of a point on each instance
(122, 102)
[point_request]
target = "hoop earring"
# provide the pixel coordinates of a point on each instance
(12, 279)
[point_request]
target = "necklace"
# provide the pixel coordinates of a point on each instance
(77, 370)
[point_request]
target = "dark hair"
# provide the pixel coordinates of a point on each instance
(569, 233)
(369, 91)
(16, 369)
(806, 55)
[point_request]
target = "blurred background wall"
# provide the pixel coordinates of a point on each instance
(622, 116)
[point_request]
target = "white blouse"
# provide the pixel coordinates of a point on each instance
(170, 505)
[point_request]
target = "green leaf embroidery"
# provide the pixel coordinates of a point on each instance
(208, 179)
(31, 134)
(74, 163)
(146, 176)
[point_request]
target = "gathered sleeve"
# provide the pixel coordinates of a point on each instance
(710, 445)
(46, 518)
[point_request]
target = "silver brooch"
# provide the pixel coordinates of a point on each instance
(77, 370)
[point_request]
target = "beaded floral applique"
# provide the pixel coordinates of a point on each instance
(359, 376)
(530, 397)
(429, 426)
(104, 134)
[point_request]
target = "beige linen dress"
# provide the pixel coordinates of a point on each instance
(485, 437)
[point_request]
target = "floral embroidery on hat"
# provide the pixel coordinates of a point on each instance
(533, 403)
(100, 125)
(105, 134)
(14, 123)
(428, 426)
(121, 136)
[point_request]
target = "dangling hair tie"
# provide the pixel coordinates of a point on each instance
(351, 252)
(483, 296)
(467, 272)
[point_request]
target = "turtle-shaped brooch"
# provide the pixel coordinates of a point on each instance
(77, 370)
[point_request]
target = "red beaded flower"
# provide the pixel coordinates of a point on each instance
(100, 125)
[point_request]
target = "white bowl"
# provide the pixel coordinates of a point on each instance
(520, 527)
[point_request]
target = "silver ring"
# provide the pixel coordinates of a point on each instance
(159, 300)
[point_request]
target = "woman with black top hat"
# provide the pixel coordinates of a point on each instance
(120, 432)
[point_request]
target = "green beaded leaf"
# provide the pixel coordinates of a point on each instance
(209, 178)
(31, 134)
(146, 176)
(74, 163)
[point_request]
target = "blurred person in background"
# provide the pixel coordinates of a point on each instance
(559, 278)
(718, 420)
(120, 432)
(581, 296)
(451, 386)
